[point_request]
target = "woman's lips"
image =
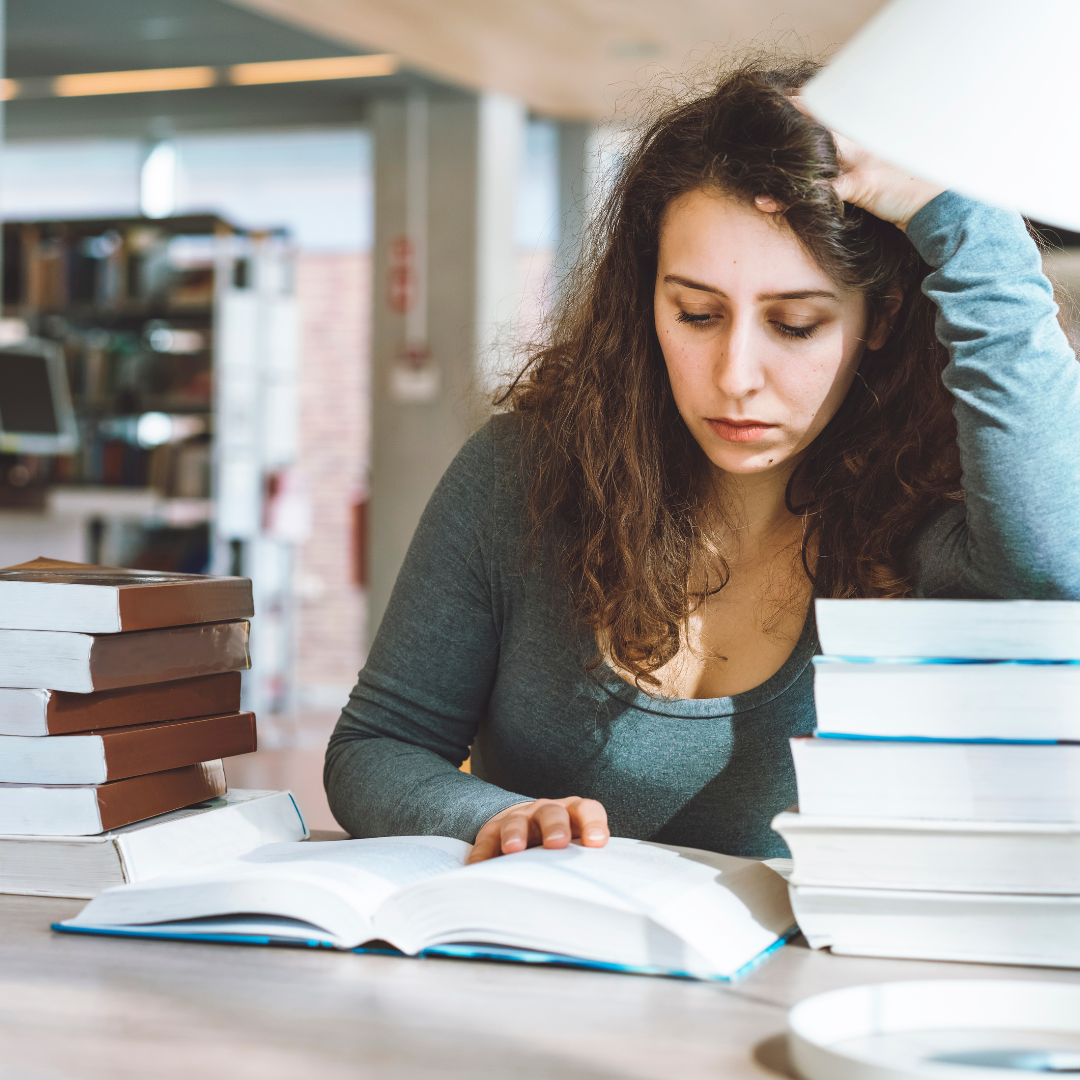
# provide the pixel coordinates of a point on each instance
(739, 431)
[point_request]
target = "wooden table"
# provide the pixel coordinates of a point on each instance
(88, 1008)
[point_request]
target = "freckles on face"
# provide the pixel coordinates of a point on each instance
(760, 344)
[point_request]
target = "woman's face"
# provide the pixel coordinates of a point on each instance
(760, 345)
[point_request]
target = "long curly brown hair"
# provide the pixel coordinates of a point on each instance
(618, 487)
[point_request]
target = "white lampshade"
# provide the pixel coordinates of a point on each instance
(976, 95)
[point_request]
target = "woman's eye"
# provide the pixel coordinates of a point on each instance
(797, 332)
(693, 318)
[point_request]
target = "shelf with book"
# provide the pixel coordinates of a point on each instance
(180, 346)
(131, 302)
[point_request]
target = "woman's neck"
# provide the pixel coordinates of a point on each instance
(754, 521)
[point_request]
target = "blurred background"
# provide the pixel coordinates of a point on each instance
(276, 253)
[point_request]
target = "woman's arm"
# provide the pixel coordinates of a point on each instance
(392, 762)
(1016, 385)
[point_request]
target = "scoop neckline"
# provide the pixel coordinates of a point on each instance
(772, 688)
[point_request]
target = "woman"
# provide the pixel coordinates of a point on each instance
(743, 405)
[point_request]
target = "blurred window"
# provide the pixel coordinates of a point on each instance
(75, 178)
(537, 218)
(317, 183)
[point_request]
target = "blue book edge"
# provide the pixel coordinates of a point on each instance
(933, 739)
(824, 659)
(296, 807)
(465, 951)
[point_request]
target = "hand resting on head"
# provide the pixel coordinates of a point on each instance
(884, 190)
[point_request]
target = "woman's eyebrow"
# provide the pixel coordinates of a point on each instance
(799, 294)
(674, 279)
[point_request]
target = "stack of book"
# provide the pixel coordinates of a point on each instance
(119, 696)
(939, 801)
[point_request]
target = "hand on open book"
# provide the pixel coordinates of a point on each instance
(551, 822)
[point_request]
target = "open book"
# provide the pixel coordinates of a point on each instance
(633, 905)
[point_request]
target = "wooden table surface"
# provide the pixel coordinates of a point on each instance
(92, 1008)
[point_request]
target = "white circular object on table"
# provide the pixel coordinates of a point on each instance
(947, 1029)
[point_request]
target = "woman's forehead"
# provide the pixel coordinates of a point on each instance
(719, 240)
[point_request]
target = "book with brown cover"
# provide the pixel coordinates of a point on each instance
(50, 594)
(121, 802)
(83, 663)
(83, 810)
(35, 712)
(116, 753)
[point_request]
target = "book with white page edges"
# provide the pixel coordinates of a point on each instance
(85, 809)
(976, 701)
(952, 629)
(957, 781)
(50, 594)
(985, 928)
(188, 839)
(35, 712)
(85, 663)
(631, 905)
(916, 853)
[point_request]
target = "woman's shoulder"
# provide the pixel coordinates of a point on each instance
(491, 448)
(508, 433)
(487, 480)
(495, 451)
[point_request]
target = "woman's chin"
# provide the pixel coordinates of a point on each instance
(748, 461)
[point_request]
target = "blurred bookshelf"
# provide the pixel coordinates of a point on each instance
(180, 343)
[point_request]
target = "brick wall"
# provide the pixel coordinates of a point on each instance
(334, 292)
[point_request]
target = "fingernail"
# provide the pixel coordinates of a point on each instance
(555, 836)
(594, 834)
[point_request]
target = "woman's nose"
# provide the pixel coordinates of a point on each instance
(737, 369)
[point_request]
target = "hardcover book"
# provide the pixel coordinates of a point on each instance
(83, 663)
(116, 753)
(41, 810)
(954, 629)
(1011, 700)
(37, 712)
(48, 594)
(953, 781)
(916, 853)
(987, 928)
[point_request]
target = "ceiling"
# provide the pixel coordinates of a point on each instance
(567, 58)
(52, 37)
(59, 37)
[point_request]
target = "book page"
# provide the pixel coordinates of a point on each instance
(379, 865)
(726, 910)
(335, 885)
(634, 875)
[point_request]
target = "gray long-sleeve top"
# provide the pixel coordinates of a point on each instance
(473, 653)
